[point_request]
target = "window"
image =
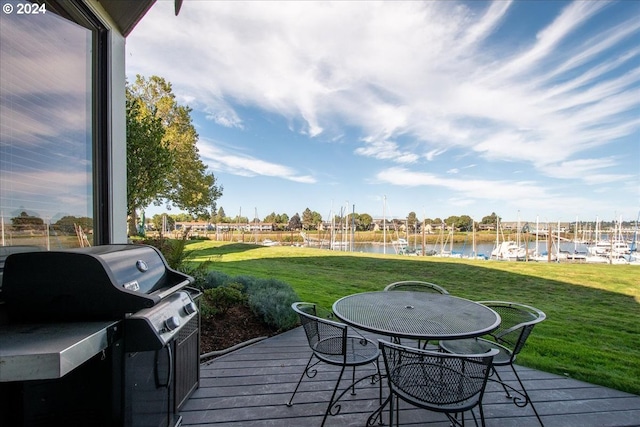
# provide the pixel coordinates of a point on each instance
(52, 127)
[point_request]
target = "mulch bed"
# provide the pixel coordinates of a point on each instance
(237, 325)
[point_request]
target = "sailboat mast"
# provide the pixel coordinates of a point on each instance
(473, 237)
(537, 228)
(353, 228)
(575, 237)
(384, 225)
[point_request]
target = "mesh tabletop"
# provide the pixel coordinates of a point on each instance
(418, 315)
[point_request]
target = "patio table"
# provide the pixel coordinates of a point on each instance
(416, 315)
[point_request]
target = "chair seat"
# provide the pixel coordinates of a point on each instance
(359, 351)
(433, 386)
(478, 346)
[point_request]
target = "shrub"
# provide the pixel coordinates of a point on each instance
(273, 305)
(221, 299)
(214, 279)
(270, 299)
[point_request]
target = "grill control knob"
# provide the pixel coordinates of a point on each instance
(190, 308)
(172, 323)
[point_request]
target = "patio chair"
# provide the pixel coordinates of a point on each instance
(417, 286)
(517, 323)
(451, 384)
(331, 343)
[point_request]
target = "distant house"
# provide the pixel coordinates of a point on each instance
(486, 227)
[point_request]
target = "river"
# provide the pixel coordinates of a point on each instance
(464, 249)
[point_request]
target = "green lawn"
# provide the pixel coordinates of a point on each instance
(592, 330)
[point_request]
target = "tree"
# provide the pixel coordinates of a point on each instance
(311, 219)
(149, 159)
(239, 220)
(67, 224)
(220, 217)
(490, 219)
(270, 218)
(460, 223)
(26, 221)
(283, 221)
(465, 223)
(158, 219)
(307, 219)
(412, 221)
(295, 223)
(365, 221)
(162, 158)
(182, 217)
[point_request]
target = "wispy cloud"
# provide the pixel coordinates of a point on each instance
(221, 160)
(416, 81)
(426, 78)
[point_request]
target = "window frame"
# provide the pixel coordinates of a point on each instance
(78, 12)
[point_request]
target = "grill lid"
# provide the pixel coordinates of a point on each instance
(100, 282)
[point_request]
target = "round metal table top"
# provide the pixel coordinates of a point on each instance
(420, 315)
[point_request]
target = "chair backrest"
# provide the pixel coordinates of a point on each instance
(517, 323)
(434, 379)
(324, 336)
(417, 286)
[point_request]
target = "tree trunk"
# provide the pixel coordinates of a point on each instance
(133, 224)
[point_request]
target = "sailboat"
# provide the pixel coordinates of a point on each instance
(508, 250)
(614, 248)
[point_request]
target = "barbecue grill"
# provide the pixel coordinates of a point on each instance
(106, 335)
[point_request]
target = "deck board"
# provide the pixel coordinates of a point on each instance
(251, 386)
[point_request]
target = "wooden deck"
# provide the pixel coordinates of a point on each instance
(250, 387)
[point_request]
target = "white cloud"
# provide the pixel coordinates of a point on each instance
(415, 80)
(426, 78)
(221, 160)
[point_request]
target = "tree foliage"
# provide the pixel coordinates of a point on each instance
(460, 223)
(311, 219)
(277, 218)
(149, 158)
(67, 224)
(412, 220)
(490, 219)
(25, 220)
(295, 223)
(364, 221)
(163, 163)
(157, 221)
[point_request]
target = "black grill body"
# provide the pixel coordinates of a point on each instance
(97, 283)
(136, 366)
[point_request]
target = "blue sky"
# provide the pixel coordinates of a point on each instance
(528, 109)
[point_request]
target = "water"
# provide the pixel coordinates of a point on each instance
(466, 249)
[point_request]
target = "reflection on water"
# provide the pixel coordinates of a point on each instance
(466, 250)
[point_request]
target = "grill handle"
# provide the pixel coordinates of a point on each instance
(166, 292)
(166, 383)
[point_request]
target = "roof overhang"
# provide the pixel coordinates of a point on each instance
(127, 13)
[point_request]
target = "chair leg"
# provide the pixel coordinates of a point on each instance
(333, 395)
(502, 383)
(481, 415)
(526, 395)
(391, 410)
(523, 399)
(377, 414)
(353, 381)
(305, 372)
